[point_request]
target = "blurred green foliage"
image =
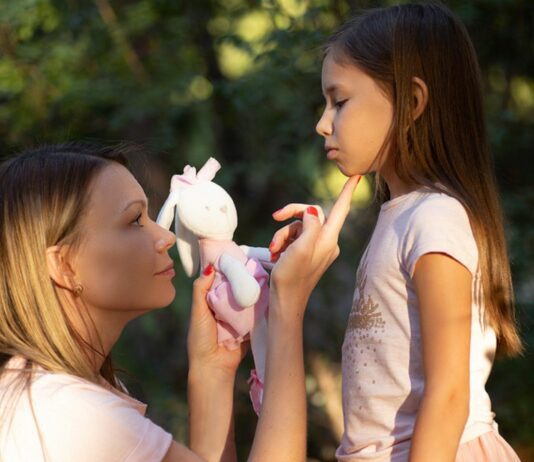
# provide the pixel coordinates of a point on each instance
(240, 79)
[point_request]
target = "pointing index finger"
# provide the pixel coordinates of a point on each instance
(341, 208)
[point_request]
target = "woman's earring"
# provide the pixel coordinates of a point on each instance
(78, 289)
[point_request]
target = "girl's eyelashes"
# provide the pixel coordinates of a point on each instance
(339, 104)
(137, 220)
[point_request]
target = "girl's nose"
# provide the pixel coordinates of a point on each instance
(324, 126)
(166, 240)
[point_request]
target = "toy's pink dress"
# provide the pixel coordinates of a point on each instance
(234, 323)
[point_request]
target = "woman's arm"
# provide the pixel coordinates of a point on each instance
(281, 430)
(443, 288)
(211, 377)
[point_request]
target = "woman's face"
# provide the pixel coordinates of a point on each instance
(122, 262)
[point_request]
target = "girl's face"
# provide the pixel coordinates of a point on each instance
(122, 262)
(356, 119)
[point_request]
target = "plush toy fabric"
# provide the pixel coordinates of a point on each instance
(205, 220)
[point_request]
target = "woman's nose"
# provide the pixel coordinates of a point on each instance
(166, 240)
(324, 126)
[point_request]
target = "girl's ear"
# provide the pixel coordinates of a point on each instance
(59, 268)
(420, 95)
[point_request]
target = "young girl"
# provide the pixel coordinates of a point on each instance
(433, 296)
(79, 259)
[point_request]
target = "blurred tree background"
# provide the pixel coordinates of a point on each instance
(240, 80)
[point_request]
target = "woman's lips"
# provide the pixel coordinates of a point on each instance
(169, 271)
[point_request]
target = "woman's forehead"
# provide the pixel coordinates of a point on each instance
(113, 188)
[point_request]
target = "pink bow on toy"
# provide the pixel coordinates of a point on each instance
(191, 177)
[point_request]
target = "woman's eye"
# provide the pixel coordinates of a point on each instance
(339, 104)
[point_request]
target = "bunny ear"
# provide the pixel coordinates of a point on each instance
(166, 214)
(188, 249)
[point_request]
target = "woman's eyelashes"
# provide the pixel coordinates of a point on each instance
(339, 104)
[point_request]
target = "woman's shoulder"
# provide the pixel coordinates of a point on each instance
(87, 414)
(61, 391)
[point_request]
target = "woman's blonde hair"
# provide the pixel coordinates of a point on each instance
(447, 147)
(43, 195)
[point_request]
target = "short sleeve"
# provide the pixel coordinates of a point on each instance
(83, 422)
(439, 224)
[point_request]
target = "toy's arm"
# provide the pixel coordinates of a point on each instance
(245, 288)
(261, 254)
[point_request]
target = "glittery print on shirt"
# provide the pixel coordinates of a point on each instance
(362, 338)
(365, 316)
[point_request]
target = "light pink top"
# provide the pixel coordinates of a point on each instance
(78, 422)
(382, 366)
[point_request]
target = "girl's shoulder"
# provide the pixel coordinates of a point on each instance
(438, 222)
(434, 209)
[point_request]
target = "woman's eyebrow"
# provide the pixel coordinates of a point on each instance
(143, 202)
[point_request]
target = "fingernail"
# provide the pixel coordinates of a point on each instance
(276, 211)
(312, 211)
(273, 257)
(208, 270)
(271, 245)
(359, 179)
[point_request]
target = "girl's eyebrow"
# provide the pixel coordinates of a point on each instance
(143, 202)
(332, 88)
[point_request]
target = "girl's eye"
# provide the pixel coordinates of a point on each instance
(339, 104)
(137, 221)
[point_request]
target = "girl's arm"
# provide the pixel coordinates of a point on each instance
(443, 288)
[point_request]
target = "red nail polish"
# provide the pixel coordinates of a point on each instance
(274, 257)
(359, 179)
(208, 270)
(271, 245)
(312, 211)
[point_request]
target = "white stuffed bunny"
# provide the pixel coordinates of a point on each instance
(205, 220)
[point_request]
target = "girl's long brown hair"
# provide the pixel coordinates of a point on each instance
(446, 148)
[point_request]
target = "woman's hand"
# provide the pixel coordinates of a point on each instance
(203, 349)
(305, 249)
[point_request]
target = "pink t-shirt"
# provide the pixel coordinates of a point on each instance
(383, 380)
(78, 421)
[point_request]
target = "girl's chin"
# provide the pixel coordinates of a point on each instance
(347, 171)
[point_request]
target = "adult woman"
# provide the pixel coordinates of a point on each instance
(79, 259)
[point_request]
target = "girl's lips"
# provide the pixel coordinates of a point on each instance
(331, 153)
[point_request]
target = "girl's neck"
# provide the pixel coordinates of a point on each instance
(396, 186)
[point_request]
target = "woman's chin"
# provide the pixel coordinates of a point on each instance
(165, 299)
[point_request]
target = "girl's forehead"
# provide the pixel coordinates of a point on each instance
(337, 73)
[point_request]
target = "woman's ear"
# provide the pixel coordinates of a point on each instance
(420, 95)
(59, 268)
